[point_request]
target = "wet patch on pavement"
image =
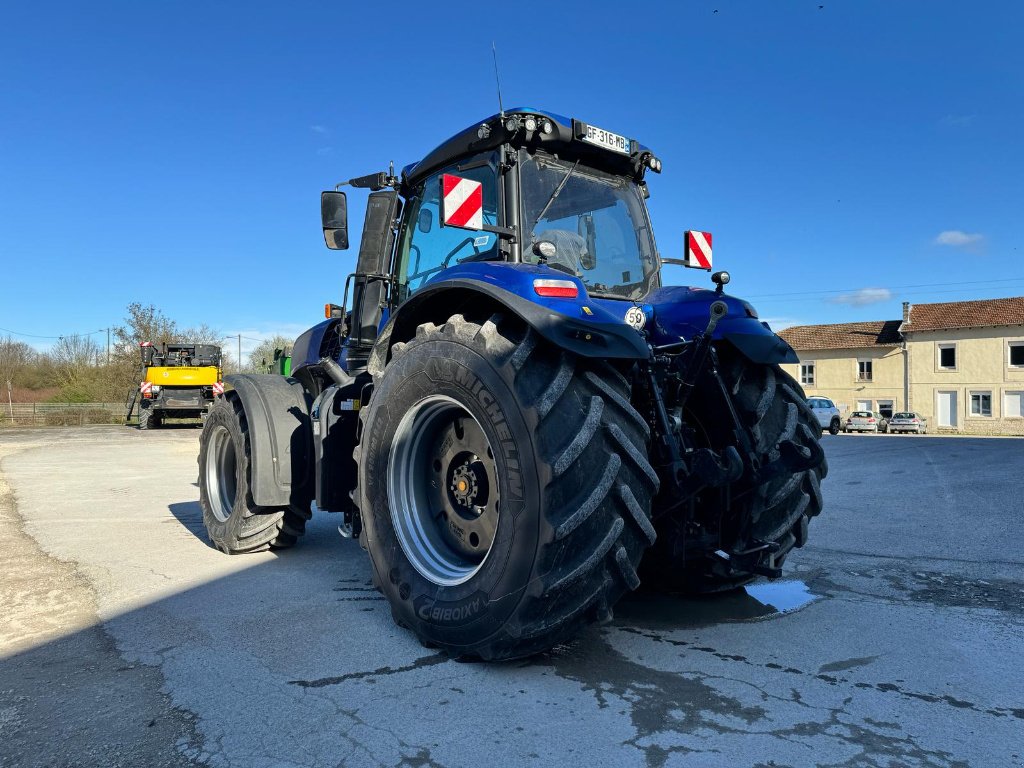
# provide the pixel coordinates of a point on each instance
(756, 602)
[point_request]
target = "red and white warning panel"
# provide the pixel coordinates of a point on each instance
(698, 249)
(463, 202)
(146, 387)
(218, 388)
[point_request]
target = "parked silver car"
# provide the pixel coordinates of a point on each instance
(866, 421)
(908, 421)
(827, 414)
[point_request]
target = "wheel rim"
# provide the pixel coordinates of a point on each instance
(443, 490)
(221, 468)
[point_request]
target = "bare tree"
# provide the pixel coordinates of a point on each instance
(77, 361)
(14, 357)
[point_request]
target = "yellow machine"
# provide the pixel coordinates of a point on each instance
(178, 381)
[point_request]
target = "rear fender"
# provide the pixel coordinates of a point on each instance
(759, 346)
(563, 323)
(280, 437)
(681, 312)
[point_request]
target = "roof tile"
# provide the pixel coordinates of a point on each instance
(966, 314)
(876, 333)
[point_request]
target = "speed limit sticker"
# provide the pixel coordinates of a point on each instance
(636, 317)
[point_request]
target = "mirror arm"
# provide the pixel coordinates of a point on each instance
(507, 232)
(375, 182)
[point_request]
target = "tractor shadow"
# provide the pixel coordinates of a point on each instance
(190, 515)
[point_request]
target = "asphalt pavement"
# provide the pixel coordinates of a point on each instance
(894, 639)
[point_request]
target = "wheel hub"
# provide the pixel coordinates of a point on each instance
(442, 484)
(468, 484)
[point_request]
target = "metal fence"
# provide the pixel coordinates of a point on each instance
(60, 414)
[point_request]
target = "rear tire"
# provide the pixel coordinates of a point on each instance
(571, 505)
(773, 407)
(148, 419)
(233, 521)
(833, 428)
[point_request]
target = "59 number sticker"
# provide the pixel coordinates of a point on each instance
(635, 317)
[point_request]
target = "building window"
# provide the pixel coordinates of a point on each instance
(981, 403)
(1013, 404)
(1016, 355)
(947, 357)
(807, 373)
(885, 407)
(864, 370)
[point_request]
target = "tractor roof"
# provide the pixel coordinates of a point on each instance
(565, 138)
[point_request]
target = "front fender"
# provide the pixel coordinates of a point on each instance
(280, 437)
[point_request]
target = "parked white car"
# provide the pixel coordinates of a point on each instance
(827, 413)
(908, 421)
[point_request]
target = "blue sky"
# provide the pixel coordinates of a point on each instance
(174, 154)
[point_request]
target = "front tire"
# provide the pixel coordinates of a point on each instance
(485, 430)
(148, 419)
(233, 521)
(833, 428)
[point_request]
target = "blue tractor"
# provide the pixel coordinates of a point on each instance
(513, 416)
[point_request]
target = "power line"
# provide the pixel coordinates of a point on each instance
(806, 298)
(890, 288)
(63, 335)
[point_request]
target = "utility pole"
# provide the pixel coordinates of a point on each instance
(108, 345)
(9, 403)
(239, 353)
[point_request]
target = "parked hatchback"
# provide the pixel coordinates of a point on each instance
(866, 421)
(827, 414)
(908, 421)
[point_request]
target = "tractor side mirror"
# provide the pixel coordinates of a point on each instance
(334, 219)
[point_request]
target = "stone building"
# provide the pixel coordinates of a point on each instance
(959, 364)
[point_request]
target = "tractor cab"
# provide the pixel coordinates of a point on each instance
(523, 187)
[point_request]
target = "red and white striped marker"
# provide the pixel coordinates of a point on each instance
(218, 388)
(462, 202)
(146, 388)
(698, 249)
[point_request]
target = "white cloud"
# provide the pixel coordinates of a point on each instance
(863, 297)
(958, 239)
(321, 129)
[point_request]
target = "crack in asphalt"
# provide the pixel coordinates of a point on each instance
(425, 661)
(833, 680)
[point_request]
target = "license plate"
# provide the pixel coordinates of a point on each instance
(607, 139)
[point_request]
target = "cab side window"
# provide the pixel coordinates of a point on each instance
(427, 248)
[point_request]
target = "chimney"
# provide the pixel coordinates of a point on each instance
(906, 311)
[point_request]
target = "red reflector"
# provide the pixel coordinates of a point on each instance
(556, 289)
(871, 421)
